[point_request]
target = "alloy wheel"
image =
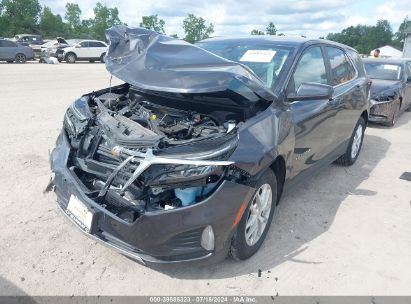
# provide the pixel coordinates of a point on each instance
(356, 143)
(258, 214)
(20, 58)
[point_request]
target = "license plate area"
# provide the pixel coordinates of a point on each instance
(80, 213)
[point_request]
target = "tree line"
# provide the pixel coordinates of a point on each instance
(28, 16)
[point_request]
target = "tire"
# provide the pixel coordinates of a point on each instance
(91, 61)
(102, 58)
(394, 115)
(243, 244)
(20, 58)
(10, 61)
(71, 58)
(354, 145)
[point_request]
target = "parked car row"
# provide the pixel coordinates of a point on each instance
(188, 159)
(27, 47)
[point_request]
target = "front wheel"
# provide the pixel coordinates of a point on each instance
(102, 60)
(354, 146)
(256, 220)
(70, 58)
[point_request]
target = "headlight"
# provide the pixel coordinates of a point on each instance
(77, 117)
(182, 174)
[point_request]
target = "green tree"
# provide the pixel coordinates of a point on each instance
(19, 16)
(73, 18)
(399, 36)
(196, 28)
(257, 32)
(104, 18)
(153, 23)
(271, 29)
(51, 25)
(364, 38)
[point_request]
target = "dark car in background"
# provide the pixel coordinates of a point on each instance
(11, 51)
(31, 40)
(188, 158)
(390, 89)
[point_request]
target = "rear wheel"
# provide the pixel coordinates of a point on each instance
(256, 220)
(70, 58)
(354, 146)
(102, 57)
(20, 58)
(91, 61)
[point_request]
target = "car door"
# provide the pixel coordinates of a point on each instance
(314, 120)
(83, 50)
(97, 48)
(348, 96)
(8, 50)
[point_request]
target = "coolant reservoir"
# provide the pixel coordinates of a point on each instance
(188, 195)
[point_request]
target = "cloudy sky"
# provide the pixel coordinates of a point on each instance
(312, 18)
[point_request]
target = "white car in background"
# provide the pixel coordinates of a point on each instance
(83, 50)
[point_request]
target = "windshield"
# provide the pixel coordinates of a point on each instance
(383, 70)
(265, 60)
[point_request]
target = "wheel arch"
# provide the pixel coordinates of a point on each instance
(68, 53)
(279, 168)
(364, 115)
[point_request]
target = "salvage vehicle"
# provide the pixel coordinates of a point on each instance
(83, 50)
(49, 49)
(187, 159)
(390, 89)
(10, 51)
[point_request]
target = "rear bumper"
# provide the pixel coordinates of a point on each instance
(159, 236)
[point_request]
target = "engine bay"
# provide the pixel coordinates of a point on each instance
(135, 154)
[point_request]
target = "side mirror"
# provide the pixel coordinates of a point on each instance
(312, 91)
(78, 46)
(409, 79)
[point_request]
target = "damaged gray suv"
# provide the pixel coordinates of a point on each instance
(188, 159)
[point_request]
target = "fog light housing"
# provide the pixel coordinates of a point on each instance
(207, 238)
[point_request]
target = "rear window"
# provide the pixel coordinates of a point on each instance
(341, 68)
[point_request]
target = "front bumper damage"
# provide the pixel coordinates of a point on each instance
(162, 236)
(381, 111)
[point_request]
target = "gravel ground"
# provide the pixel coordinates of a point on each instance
(346, 231)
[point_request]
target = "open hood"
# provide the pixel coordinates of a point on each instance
(151, 61)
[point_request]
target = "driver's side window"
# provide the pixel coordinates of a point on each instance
(310, 68)
(84, 44)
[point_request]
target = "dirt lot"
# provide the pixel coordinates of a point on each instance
(345, 231)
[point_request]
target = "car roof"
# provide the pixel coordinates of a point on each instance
(281, 40)
(386, 60)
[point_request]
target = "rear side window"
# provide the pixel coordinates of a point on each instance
(310, 68)
(341, 68)
(6, 43)
(96, 44)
